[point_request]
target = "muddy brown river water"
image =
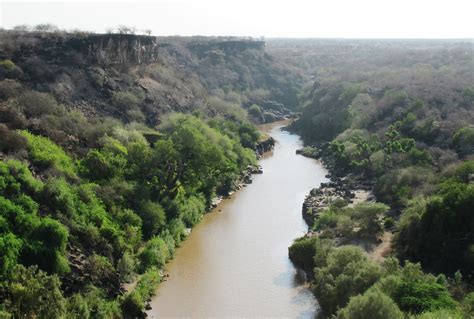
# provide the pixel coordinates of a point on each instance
(235, 263)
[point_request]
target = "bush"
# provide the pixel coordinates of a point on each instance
(32, 293)
(45, 154)
(37, 104)
(302, 252)
(430, 230)
(154, 254)
(463, 141)
(418, 297)
(9, 88)
(368, 216)
(372, 304)
(11, 115)
(8, 69)
(347, 273)
(134, 303)
(97, 165)
(192, 209)
(126, 100)
(10, 140)
(441, 314)
(153, 218)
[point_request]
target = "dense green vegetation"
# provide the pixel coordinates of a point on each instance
(90, 202)
(122, 208)
(396, 116)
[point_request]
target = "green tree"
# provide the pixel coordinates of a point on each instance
(32, 293)
(463, 141)
(372, 304)
(347, 273)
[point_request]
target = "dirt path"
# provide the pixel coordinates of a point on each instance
(383, 249)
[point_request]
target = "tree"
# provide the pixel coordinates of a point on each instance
(31, 293)
(372, 304)
(153, 218)
(368, 217)
(438, 232)
(463, 141)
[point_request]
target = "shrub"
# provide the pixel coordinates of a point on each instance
(372, 304)
(100, 269)
(154, 254)
(10, 140)
(368, 218)
(153, 218)
(192, 209)
(463, 141)
(417, 297)
(34, 294)
(347, 273)
(302, 252)
(36, 104)
(126, 101)
(8, 69)
(9, 88)
(11, 115)
(441, 314)
(134, 303)
(429, 231)
(44, 153)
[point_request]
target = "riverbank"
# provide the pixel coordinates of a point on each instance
(235, 261)
(342, 191)
(138, 292)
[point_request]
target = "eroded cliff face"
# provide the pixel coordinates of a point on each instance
(102, 49)
(119, 49)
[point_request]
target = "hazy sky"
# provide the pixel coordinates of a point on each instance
(270, 18)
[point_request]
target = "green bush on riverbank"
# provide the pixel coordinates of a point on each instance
(92, 222)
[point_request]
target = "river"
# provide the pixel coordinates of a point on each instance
(235, 262)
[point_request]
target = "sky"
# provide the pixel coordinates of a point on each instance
(256, 18)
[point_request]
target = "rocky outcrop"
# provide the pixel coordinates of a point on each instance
(265, 146)
(119, 49)
(66, 49)
(327, 193)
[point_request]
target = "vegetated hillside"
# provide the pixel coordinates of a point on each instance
(159, 75)
(397, 115)
(100, 177)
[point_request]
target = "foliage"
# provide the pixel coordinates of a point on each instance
(361, 221)
(372, 304)
(46, 154)
(154, 254)
(463, 141)
(437, 231)
(348, 272)
(302, 252)
(32, 293)
(134, 303)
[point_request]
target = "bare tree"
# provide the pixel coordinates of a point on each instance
(123, 29)
(148, 32)
(46, 27)
(22, 28)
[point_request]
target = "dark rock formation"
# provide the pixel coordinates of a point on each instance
(65, 49)
(265, 146)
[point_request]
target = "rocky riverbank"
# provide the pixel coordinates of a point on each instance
(265, 145)
(245, 178)
(323, 196)
(346, 188)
